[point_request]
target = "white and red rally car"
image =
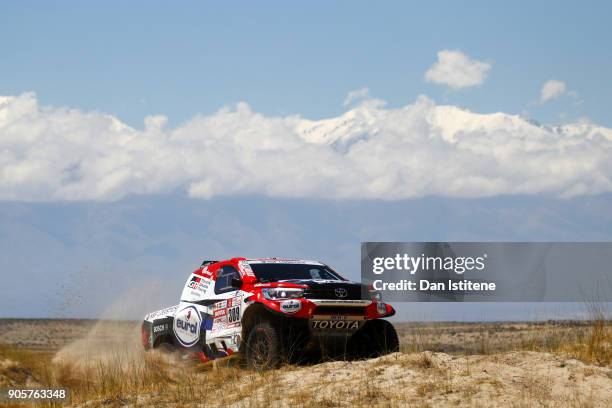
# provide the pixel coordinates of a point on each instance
(272, 310)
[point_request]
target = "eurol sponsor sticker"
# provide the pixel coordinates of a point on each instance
(290, 306)
(187, 326)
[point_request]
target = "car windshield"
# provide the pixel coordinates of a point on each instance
(271, 272)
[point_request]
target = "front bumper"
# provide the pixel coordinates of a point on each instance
(317, 309)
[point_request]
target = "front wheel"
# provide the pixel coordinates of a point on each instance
(263, 347)
(376, 338)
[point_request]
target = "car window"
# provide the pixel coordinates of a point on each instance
(270, 272)
(223, 283)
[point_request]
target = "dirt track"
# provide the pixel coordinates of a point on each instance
(42, 334)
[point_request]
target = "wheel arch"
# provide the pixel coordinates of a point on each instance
(163, 339)
(254, 314)
(291, 329)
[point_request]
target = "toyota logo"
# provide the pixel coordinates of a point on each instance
(340, 292)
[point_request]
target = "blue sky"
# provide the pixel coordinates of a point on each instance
(133, 59)
(90, 207)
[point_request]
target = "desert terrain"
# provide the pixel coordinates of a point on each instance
(511, 364)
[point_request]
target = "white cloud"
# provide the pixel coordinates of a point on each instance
(553, 89)
(457, 70)
(357, 94)
(370, 152)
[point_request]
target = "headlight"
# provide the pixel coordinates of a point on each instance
(381, 308)
(377, 296)
(282, 293)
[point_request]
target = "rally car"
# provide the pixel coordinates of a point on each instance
(272, 310)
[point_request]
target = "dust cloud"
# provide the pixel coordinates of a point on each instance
(115, 337)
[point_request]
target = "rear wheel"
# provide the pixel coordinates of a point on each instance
(263, 347)
(165, 345)
(166, 348)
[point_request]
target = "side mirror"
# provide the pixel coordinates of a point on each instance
(236, 283)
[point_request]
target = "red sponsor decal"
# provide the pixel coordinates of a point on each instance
(205, 273)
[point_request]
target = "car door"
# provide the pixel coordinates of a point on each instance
(226, 327)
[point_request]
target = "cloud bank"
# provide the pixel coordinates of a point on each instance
(457, 70)
(369, 152)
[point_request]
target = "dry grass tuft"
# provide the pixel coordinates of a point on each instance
(589, 341)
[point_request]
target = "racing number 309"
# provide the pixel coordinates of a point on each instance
(233, 314)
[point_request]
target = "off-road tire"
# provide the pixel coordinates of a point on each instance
(376, 338)
(263, 347)
(165, 347)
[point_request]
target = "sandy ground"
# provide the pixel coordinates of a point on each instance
(439, 379)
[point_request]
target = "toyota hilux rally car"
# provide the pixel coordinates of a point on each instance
(272, 310)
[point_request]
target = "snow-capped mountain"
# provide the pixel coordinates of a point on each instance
(448, 121)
